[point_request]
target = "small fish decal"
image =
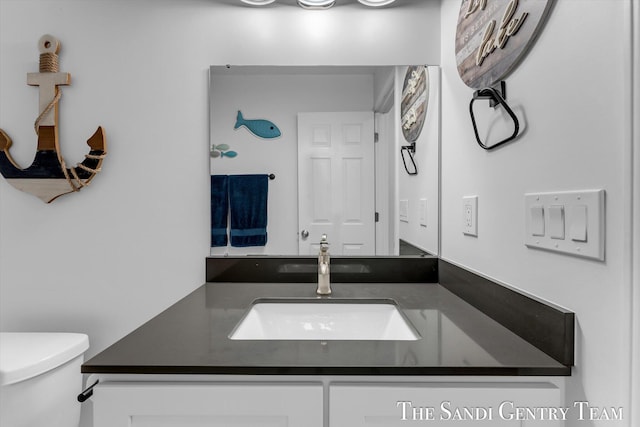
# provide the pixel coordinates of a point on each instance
(230, 154)
(222, 150)
(260, 128)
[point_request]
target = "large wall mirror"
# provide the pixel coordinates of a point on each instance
(324, 143)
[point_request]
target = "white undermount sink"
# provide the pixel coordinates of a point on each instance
(313, 319)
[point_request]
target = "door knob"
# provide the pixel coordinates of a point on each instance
(304, 234)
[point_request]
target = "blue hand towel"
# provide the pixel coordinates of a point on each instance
(219, 209)
(248, 205)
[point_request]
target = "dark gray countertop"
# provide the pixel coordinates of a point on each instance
(191, 337)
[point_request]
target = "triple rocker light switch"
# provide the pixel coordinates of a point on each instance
(569, 222)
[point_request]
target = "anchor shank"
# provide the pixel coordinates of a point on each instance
(48, 83)
(47, 138)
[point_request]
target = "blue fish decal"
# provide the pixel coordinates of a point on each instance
(230, 154)
(260, 128)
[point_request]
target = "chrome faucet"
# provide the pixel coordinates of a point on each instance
(324, 284)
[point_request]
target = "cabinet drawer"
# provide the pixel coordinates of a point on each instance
(444, 404)
(156, 404)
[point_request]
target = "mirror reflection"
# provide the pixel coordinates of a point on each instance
(297, 152)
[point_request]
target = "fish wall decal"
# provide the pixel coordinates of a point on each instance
(222, 150)
(260, 128)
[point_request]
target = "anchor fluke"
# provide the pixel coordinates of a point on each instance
(84, 172)
(97, 142)
(5, 141)
(48, 176)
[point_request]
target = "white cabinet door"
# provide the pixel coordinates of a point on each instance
(154, 404)
(445, 404)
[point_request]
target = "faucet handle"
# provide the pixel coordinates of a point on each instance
(324, 245)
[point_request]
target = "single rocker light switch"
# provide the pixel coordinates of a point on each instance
(556, 222)
(537, 220)
(578, 223)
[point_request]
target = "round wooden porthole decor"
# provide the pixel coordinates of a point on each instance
(493, 36)
(415, 94)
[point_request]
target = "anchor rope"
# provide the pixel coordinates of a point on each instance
(86, 168)
(53, 102)
(63, 165)
(77, 178)
(48, 64)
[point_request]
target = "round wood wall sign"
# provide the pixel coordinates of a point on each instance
(415, 94)
(494, 35)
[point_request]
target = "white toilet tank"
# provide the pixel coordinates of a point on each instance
(40, 378)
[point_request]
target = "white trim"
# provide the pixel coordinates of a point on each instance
(385, 101)
(634, 395)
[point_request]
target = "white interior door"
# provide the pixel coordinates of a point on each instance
(336, 182)
(386, 184)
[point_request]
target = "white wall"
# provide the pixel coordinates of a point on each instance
(635, 229)
(573, 90)
(278, 98)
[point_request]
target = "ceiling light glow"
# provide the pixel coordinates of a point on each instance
(319, 4)
(376, 3)
(316, 4)
(258, 2)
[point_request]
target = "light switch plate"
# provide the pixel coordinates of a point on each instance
(582, 219)
(470, 215)
(404, 210)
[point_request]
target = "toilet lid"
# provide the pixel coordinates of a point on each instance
(24, 355)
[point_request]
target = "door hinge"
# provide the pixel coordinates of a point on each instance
(377, 217)
(376, 137)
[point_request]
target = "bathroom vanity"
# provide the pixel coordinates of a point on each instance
(481, 351)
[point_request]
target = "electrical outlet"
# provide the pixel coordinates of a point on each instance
(404, 210)
(423, 212)
(470, 215)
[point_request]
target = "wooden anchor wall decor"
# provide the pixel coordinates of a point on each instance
(48, 176)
